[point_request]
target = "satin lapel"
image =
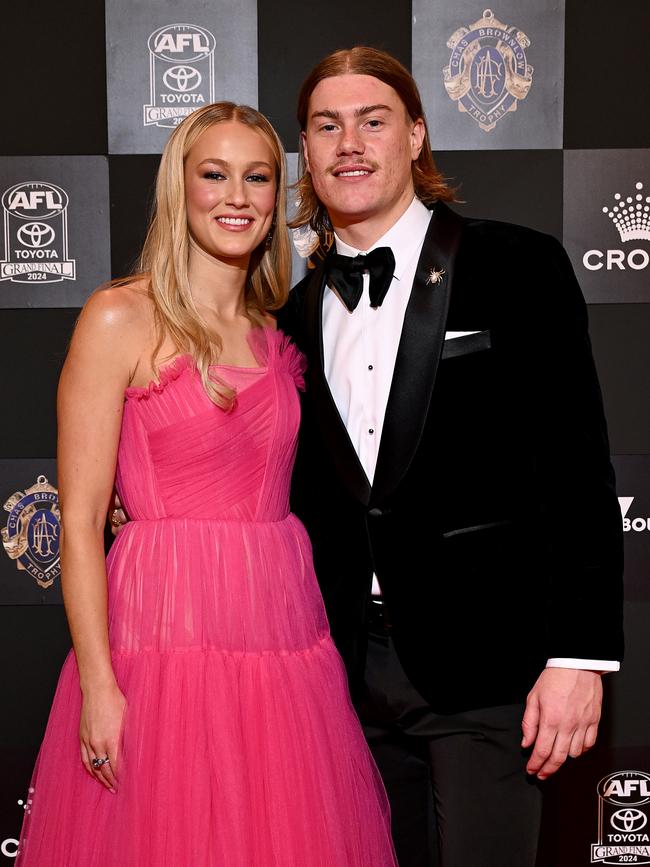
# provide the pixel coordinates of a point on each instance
(327, 415)
(419, 352)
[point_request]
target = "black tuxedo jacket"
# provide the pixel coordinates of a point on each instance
(492, 524)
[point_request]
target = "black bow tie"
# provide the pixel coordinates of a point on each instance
(345, 273)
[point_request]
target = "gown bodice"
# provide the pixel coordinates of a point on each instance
(180, 455)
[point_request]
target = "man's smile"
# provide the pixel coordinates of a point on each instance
(352, 170)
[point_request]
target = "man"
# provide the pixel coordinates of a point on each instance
(453, 475)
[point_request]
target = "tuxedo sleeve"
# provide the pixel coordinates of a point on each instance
(581, 526)
(290, 319)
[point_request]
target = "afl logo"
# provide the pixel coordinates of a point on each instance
(625, 788)
(187, 84)
(181, 43)
(36, 234)
(35, 200)
(622, 819)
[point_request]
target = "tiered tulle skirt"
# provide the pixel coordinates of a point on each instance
(240, 747)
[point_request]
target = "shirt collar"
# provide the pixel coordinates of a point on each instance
(404, 237)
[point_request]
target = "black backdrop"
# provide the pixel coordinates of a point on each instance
(53, 67)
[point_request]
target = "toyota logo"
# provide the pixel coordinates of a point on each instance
(182, 78)
(629, 820)
(36, 235)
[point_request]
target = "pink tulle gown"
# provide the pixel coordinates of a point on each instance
(240, 747)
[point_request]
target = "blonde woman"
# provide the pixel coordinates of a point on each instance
(202, 719)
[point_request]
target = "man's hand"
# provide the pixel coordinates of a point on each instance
(561, 717)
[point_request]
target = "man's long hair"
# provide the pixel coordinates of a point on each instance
(429, 184)
(165, 255)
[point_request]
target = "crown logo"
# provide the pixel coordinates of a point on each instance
(631, 215)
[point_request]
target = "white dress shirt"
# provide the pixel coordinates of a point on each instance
(360, 348)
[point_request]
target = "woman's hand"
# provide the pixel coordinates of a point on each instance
(102, 715)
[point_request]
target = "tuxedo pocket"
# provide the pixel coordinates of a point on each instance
(459, 343)
(494, 547)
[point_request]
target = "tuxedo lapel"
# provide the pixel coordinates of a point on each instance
(329, 421)
(419, 352)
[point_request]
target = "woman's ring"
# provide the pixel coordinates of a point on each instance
(97, 763)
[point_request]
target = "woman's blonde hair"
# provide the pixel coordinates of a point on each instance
(165, 255)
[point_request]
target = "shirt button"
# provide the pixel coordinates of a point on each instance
(370, 367)
(371, 430)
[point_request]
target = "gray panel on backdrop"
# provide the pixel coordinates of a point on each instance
(490, 78)
(56, 236)
(29, 564)
(298, 262)
(607, 222)
(165, 61)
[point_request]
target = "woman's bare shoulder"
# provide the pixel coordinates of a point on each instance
(116, 322)
(119, 304)
(121, 308)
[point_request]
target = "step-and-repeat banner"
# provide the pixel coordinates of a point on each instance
(537, 111)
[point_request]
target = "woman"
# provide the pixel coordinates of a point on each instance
(215, 725)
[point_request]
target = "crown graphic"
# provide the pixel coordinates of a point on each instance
(631, 215)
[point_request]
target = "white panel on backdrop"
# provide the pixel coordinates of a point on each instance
(490, 78)
(165, 59)
(56, 236)
(607, 223)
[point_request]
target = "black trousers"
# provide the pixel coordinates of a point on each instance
(459, 792)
